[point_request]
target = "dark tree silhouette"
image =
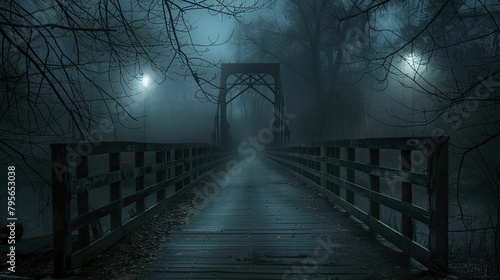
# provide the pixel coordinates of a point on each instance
(447, 52)
(70, 70)
(311, 44)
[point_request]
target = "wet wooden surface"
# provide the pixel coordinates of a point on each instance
(267, 225)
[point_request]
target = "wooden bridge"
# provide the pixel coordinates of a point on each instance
(254, 220)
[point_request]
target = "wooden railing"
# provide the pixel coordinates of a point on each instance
(78, 232)
(332, 167)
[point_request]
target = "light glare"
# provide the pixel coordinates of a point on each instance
(145, 81)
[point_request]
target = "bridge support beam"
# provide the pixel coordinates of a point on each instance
(375, 183)
(250, 75)
(351, 173)
(406, 195)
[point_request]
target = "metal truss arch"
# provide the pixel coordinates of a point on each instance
(250, 75)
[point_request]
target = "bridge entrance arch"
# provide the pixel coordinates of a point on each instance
(251, 76)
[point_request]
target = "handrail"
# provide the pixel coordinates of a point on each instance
(176, 165)
(320, 165)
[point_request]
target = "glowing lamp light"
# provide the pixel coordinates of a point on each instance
(412, 59)
(145, 81)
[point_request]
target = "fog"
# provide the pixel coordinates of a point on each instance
(150, 72)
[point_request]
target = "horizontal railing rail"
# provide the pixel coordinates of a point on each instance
(332, 166)
(175, 167)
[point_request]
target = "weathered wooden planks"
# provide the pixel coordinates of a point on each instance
(259, 227)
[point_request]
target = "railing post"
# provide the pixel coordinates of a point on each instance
(160, 175)
(186, 153)
(350, 175)
(406, 195)
(329, 168)
(115, 191)
(82, 171)
(199, 152)
(375, 183)
(438, 228)
(323, 168)
(139, 183)
(194, 162)
(206, 160)
(178, 169)
(61, 211)
(168, 158)
(336, 171)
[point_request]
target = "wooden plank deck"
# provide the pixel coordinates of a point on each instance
(267, 225)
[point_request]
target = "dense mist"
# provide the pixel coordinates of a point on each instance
(150, 72)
